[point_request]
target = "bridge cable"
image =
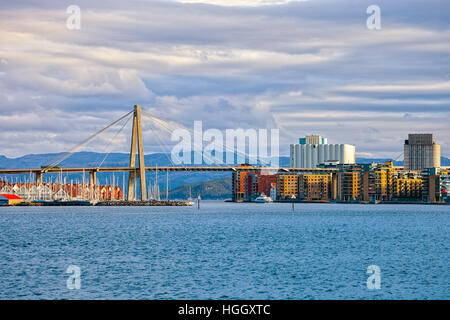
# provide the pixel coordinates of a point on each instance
(223, 146)
(68, 154)
(234, 151)
(110, 145)
(398, 157)
(163, 145)
(165, 126)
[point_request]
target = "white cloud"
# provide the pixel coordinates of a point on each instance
(414, 87)
(308, 68)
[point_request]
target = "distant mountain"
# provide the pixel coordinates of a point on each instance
(215, 189)
(80, 159)
(94, 159)
(444, 161)
(378, 160)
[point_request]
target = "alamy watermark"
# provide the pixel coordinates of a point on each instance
(374, 280)
(73, 22)
(374, 20)
(213, 147)
(74, 280)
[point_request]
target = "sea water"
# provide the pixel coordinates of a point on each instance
(225, 251)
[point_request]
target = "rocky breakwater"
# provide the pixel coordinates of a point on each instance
(143, 203)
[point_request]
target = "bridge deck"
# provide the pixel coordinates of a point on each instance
(191, 168)
(127, 169)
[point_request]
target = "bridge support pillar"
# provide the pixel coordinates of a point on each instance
(38, 178)
(130, 190)
(136, 137)
(92, 178)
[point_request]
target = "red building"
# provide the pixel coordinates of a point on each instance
(256, 183)
(265, 182)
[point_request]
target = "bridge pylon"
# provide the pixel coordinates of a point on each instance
(136, 136)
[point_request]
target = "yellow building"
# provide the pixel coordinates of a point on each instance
(408, 188)
(287, 186)
(378, 182)
(314, 187)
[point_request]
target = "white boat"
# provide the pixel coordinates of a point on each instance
(190, 200)
(263, 199)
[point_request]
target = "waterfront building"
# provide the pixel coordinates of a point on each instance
(266, 182)
(349, 183)
(409, 188)
(421, 152)
(408, 185)
(368, 183)
(239, 184)
(251, 186)
(377, 182)
(436, 184)
(273, 192)
(314, 150)
(314, 187)
(445, 186)
(287, 186)
(257, 184)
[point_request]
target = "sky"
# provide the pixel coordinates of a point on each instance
(304, 67)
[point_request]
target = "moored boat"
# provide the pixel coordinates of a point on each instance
(263, 199)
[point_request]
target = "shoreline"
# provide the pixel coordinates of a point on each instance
(111, 203)
(356, 202)
(184, 203)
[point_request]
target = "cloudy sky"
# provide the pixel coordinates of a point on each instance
(301, 66)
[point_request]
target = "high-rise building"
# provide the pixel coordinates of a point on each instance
(314, 150)
(421, 152)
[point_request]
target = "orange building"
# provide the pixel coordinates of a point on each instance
(239, 184)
